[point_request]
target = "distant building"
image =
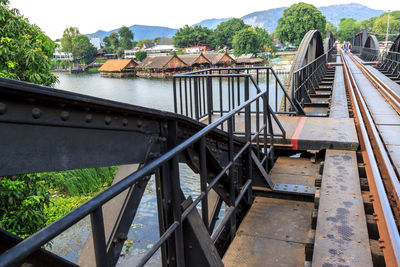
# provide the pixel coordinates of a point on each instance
(95, 41)
(220, 59)
(58, 54)
(118, 68)
(195, 49)
(130, 53)
(160, 66)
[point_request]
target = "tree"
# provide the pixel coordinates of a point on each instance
(192, 36)
(265, 40)
(83, 49)
(140, 55)
(114, 41)
(331, 28)
(245, 41)
(126, 37)
(380, 26)
(368, 24)
(297, 20)
(25, 51)
(347, 28)
(223, 34)
(141, 42)
(66, 40)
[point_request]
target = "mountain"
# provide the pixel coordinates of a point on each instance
(266, 18)
(140, 32)
(211, 23)
(356, 11)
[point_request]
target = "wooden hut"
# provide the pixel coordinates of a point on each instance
(196, 61)
(220, 59)
(161, 66)
(249, 60)
(118, 68)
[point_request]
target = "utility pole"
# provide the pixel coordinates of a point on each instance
(387, 29)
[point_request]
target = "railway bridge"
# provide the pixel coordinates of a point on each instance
(300, 175)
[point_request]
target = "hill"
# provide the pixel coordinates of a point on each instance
(266, 18)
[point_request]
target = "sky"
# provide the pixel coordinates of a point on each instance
(54, 16)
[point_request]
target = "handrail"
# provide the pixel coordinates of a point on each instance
(190, 92)
(93, 207)
(391, 63)
(307, 78)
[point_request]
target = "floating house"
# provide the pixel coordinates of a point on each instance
(196, 61)
(249, 60)
(220, 60)
(118, 68)
(161, 66)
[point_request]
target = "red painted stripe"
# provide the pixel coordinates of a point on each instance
(297, 132)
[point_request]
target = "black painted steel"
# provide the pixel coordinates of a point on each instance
(223, 160)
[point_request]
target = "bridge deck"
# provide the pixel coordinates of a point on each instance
(309, 132)
(338, 108)
(386, 119)
(341, 236)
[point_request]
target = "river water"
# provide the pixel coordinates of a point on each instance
(152, 93)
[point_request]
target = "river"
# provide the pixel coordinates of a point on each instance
(152, 93)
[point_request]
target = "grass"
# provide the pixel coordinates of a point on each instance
(83, 182)
(93, 70)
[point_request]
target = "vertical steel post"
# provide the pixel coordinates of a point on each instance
(203, 182)
(232, 195)
(99, 239)
(196, 98)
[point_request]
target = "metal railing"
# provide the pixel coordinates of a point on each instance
(391, 63)
(207, 94)
(370, 54)
(307, 78)
(166, 169)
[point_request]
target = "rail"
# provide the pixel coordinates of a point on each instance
(307, 78)
(180, 211)
(391, 64)
(204, 94)
(380, 174)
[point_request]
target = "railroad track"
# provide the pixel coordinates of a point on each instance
(382, 178)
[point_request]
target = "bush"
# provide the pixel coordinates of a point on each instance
(23, 200)
(62, 205)
(140, 55)
(85, 181)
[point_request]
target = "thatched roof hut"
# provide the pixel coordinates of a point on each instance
(219, 59)
(193, 60)
(115, 65)
(162, 63)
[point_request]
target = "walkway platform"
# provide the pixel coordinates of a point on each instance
(338, 108)
(341, 237)
(263, 240)
(308, 133)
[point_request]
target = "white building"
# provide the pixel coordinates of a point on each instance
(58, 54)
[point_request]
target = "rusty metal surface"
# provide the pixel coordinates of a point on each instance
(335, 133)
(300, 171)
(338, 108)
(341, 235)
(263, 240)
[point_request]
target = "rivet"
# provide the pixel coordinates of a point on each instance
(108, 120)
(125, 122)
(139, 123)
(3, 108)
(89, 118)
(64, 115)
(36, 113)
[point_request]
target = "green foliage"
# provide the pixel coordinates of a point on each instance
(223, 34)
(380, 26)
(141, 42)
(114, 41)
(66, 41)
(140, 55)
(331, 28)
(23, 200)
(297, 20)
(265, 40)
(57, 64)
(60, 206)
(192, 36)
(84, 181)
(245, 41)
(347, 28)
(83, 49)
(126, 37)
(25, 51)
(368, 24)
